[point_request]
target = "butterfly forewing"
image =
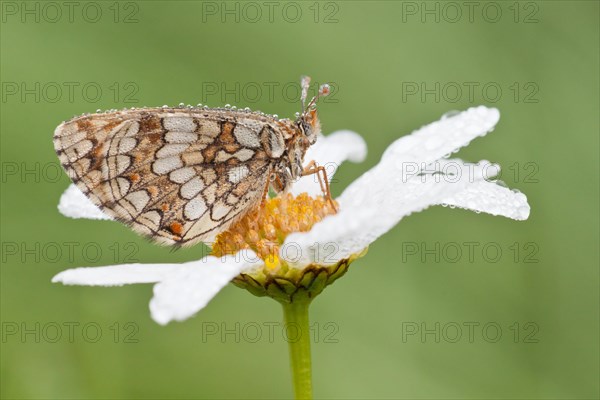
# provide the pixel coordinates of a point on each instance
(177, 176)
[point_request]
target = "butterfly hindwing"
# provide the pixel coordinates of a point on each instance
(176, 176)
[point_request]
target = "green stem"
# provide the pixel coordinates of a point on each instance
(297, 327)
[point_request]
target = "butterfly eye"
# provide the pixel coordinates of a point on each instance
(305, 128)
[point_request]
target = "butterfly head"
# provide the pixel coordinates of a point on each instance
(308, 120)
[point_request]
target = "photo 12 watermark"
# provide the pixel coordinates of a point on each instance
(469, 252)
(252, 12)
(240, 93)
(31, 172)
(69, 92)
(68, 252)
(52, 12)
(457, 171)
(452, 12)
(268, 332)
(470, 91)
(469, 332)
(69, 332)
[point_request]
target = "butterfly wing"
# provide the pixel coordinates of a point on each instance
(177, 176)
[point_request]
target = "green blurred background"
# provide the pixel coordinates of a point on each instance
(541, 291)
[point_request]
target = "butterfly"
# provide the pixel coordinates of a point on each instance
(182, 175)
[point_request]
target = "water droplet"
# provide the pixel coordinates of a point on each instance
(227, 105)
(165, 106)
(450, 114)
(98, 110)
(181, 105)
(199, 105)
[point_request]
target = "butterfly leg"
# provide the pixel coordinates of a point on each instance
(265, 193)
(311, 169)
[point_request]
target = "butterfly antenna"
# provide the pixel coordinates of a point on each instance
(304, 84)
(324, 90)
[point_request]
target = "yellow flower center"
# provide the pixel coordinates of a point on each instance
(264, 230)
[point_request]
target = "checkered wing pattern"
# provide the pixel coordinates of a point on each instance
(177, 176)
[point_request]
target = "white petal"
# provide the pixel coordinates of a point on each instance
(491, 198)
(191, 286)
(115, 275)
(74, 204)
(445, 136)
(330, 151)
(375, 203)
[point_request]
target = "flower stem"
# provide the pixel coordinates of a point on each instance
(297, 328)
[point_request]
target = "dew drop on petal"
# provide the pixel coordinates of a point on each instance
(450, 114)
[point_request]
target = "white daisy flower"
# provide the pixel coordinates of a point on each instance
(295, 246)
